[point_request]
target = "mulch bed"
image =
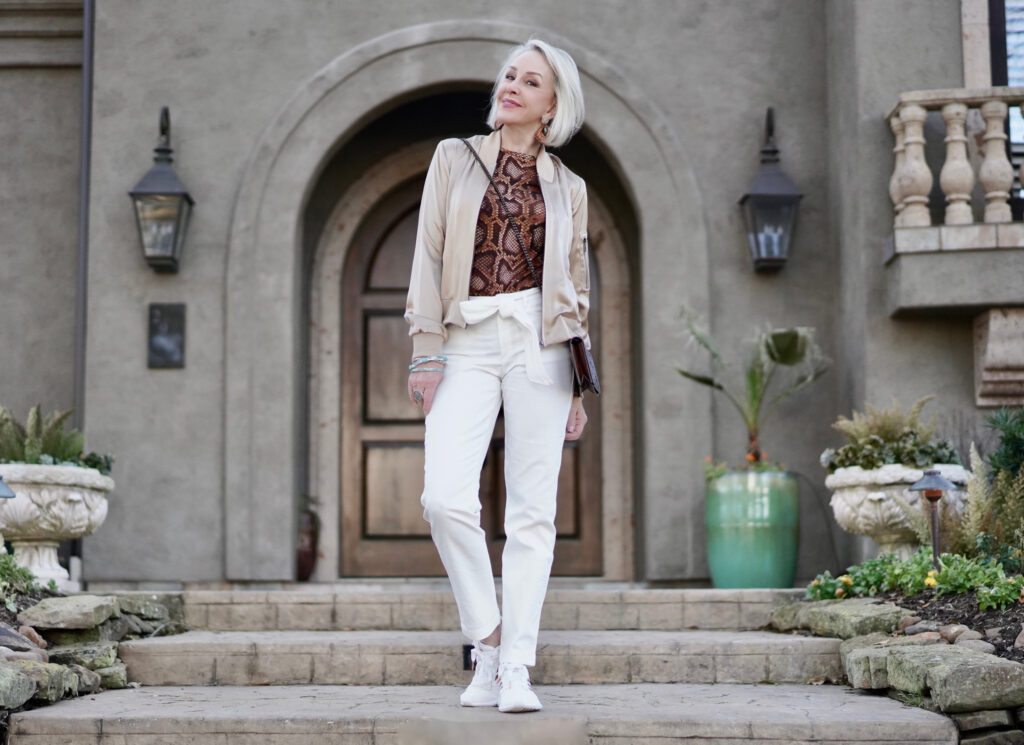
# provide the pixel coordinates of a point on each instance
(1006, 624)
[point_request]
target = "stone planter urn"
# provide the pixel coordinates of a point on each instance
(51, 504)
(862, 502)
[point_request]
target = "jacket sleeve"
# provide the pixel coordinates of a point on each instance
(579, 266)
(423, 308)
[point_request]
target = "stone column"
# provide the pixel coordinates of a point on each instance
(999, 357)
(957, 176)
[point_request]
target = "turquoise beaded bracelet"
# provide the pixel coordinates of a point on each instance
(420, 360)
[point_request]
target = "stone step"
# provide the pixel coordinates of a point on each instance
(202, 658)
(408, 715)
(429, 606)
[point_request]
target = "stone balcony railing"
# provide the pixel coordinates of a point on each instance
(956, 250)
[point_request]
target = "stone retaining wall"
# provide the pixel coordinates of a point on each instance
(943, 669)
(67, 646)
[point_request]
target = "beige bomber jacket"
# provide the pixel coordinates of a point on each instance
(449, 210)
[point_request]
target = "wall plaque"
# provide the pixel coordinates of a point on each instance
(166, 347)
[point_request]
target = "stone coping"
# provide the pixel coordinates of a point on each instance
(609, 715)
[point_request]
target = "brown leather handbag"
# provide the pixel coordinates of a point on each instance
(583, 368)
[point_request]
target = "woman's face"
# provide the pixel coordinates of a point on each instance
(526, 95)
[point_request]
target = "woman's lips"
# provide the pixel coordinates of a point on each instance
(509, 102)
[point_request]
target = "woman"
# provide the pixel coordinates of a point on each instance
(490, 329)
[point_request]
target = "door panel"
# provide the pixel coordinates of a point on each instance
(382, 528)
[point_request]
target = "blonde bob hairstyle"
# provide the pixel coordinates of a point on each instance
(568, 116)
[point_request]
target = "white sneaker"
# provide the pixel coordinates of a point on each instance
(483, 691)
(515, 693)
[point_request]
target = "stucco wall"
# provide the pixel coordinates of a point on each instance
(874, 55)
(38, 236)
(226, 70)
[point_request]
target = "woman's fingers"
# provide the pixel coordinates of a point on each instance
(423, 384)
(577, 420)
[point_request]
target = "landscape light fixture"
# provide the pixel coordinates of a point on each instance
(933, 484)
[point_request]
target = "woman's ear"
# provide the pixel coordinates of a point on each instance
(550, 113)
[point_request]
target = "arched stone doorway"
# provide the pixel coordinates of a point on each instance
(365, 439)
(266, 392)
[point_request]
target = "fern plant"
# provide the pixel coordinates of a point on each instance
(45, 441)
(880, 437)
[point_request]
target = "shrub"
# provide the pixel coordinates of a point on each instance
(887, 436)
(1009, 453)
(959, 574)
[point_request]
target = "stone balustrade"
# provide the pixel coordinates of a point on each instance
(912, 180)
(969, 262)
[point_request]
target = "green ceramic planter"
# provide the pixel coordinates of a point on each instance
(753, 527)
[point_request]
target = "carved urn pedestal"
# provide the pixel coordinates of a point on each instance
(51, 504)
(862, 502)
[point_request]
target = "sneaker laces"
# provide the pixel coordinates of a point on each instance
(485, 665)
(514, 675)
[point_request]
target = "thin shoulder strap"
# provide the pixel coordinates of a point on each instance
(508, 215)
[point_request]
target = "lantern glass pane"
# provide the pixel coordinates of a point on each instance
(183, 215)
(158, 220)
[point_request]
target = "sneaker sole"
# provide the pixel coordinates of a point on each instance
(478, 706)
(522, 709)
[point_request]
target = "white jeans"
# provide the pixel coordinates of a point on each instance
(496, 360)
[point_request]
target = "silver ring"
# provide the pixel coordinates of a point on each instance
(418, 396)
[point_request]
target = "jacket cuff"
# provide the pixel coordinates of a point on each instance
(425, 344)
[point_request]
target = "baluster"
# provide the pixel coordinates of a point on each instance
(1021, 107)
(996, 174)
(957, 176)
(895, 193)
(915, 180)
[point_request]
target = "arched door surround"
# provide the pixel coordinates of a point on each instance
(265, 387)
(328, 434)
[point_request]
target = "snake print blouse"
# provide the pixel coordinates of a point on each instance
(498, 263)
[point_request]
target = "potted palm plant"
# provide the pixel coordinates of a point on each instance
(752, 511)
(60, 492)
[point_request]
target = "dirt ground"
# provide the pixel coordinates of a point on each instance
(964, 609)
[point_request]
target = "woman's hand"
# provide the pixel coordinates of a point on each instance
(577, 420)
(425, 384)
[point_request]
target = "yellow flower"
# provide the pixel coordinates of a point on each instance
(932, 573)
(814, 583)
(846, 580)
(840, 592)
(931, 582)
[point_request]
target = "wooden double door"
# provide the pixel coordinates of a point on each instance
(383, 532)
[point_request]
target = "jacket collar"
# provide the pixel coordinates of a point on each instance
(491, 145)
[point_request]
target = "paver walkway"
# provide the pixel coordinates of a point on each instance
(648, 714)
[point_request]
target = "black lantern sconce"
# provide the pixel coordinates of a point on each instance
(933, 484)
(162, 206)
(770, 207)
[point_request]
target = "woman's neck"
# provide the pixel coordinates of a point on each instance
(519, 140)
